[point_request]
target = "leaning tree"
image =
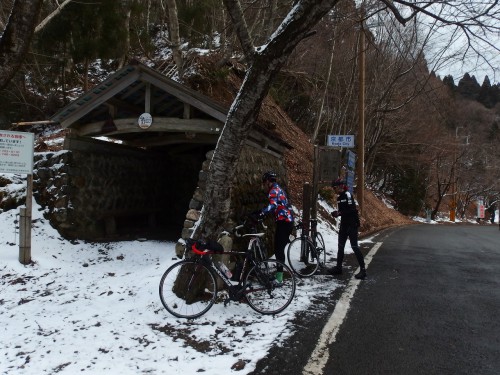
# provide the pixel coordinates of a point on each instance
(477, 22)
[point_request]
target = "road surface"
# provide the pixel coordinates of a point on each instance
(431, 305)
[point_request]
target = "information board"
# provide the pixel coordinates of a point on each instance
(329, 164)
(351, 159)
(16, 152)
(350, 181)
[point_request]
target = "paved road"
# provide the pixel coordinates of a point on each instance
(431, 305)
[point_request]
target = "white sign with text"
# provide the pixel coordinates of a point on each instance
(340, 140)
(16, 152)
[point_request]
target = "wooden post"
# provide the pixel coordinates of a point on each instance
(361, 128)
(315, 188)
(24, 250)
(25, 225)
(306, 207)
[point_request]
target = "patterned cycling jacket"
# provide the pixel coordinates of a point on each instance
(278, 203)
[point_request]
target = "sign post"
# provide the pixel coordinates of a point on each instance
(326, 168)
(16, 156)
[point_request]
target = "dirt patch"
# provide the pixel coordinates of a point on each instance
(377, 215)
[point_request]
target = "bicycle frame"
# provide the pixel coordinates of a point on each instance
(206, 259)
(311, 232)
(235, 291)
(210, 263)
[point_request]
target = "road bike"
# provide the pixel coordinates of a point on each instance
(307, 252)
(188, 288)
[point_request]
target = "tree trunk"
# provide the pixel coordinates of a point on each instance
(175, 39)
(86, 65)
(265, 64)
(16, 39)
(123, 60)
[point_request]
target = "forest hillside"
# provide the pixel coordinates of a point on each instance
(299, 159)
(430, 142)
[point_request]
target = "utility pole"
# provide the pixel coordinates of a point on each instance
(361, 126)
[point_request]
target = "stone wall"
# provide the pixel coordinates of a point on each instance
(106, 195)
(97, 196)
(247, 194)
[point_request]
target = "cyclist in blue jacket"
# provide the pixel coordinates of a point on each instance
(280, 207)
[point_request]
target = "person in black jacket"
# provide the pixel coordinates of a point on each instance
(349, 225)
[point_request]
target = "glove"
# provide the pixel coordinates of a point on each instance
(335, 213)
(257, 215)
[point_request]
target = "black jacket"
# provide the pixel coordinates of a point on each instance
(347, 209)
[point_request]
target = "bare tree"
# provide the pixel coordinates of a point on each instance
(16, 39)
(47, 19)
(266, 61)
(174, 36)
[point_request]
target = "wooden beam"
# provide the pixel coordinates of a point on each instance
(88, 144)
(187, 111)
(160, 124)
(121, 104)
(186, 97)
(172, 139)
(147, 98)
(99, 99)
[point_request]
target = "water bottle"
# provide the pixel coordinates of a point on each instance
(225, 270)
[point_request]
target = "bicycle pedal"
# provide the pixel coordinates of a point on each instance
(235, 293)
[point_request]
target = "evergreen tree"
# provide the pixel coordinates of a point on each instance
(495, 93)
(468, 87)
(485, 94)
(409, 190)
(197, 20)
(100, 33)
(449, 82)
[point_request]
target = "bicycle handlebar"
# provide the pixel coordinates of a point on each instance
(202, 247)
(249, 223)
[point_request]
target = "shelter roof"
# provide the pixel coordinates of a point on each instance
(179, 114)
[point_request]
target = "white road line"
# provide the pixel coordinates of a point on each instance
(319, 356)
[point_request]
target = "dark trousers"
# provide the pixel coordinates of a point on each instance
(351, 232)
(281, 239)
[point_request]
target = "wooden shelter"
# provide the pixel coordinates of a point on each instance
(179, 115)
(139, 147)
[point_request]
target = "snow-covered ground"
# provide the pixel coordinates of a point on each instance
(94, 308)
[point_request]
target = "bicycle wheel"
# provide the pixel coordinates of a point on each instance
(302, 257)
(188, 289)
(321, 249)
(263, 293)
